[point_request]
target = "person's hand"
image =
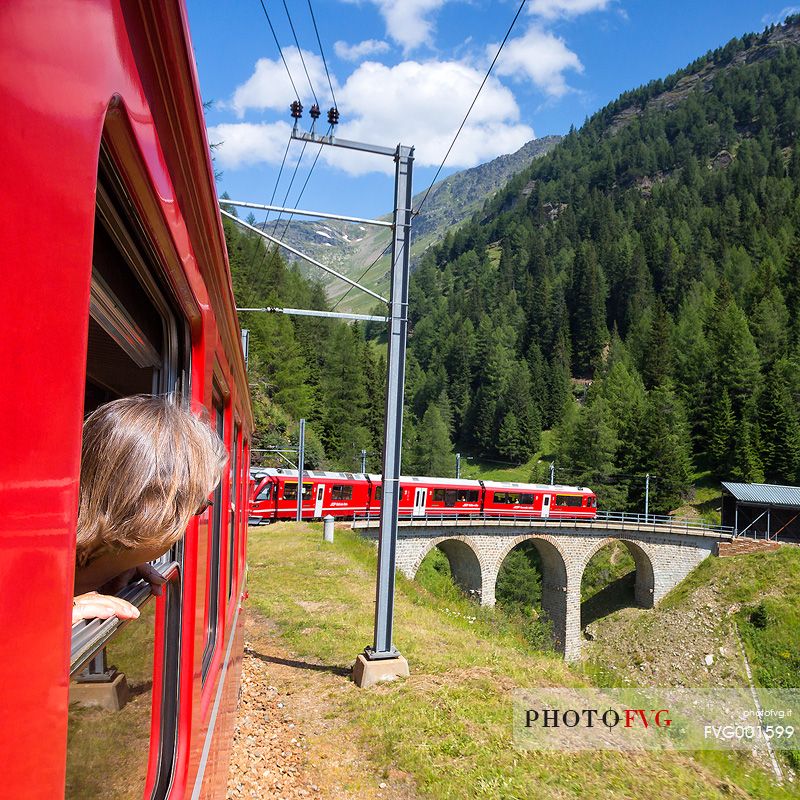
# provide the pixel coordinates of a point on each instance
(144, 571)
(101, 606)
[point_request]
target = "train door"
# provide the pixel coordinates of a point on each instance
(420, 500)
(318, 500)
(546, 505)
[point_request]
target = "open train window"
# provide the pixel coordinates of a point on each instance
(138, 342)
(212, 597)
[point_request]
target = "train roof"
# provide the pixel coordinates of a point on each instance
(258, 472)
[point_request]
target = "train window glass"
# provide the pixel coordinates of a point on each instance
(108, 745)
(378, 493)
(265, 493)
(234, 480)
(338, 492)
(212, 584)
(506, 498)
(450, 497)
(290, 491)
(468, 496)
(526, 499)
(569, 500)
(438, 495)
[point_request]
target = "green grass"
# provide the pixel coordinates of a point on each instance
(448, 726)
(487, 470)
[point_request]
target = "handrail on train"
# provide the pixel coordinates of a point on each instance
(602, 519)
(90, 636)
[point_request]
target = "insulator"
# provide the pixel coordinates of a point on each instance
(333, 116)
(315, 112)
(296, 108)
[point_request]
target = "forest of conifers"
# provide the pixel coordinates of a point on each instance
(654, 254)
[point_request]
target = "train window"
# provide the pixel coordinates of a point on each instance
(234, 481)
(507, 498)
(468, 496)
(212, 584)
(290, 490)
(569, 500)
(450, 497)
(378, 494)
(137, 342)
(265, 493)
(526, 499)
(438, 495)
(339, 492)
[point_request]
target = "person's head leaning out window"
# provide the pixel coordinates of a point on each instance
(147, 466)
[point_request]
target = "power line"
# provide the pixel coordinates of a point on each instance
(302, 60)
(472, 104)
(260, 245)
(308, 178)
(280, 50)
(322, 52)
(380, 256)
(289, 188)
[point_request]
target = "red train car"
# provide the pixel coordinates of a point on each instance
(116, 282)
(343, 494)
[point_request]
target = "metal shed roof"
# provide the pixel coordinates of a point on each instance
(764, 494)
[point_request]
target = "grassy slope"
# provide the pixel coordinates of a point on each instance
(448, 725)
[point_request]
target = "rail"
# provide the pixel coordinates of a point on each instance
(90, 636)
(603, 519)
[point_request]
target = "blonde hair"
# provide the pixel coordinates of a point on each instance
(147, 465)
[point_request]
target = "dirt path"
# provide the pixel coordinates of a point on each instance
(289, 741)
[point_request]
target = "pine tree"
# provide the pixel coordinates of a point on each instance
(721, 441)
(779, 428)
(433, 450)
(662, 448)
(657, 364)
(589, 332)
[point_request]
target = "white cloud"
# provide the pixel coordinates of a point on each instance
(780, 16)
(408, 21)
(243, 144)
(422, 104)
(360, 50)
(539, 56)
(413, 103)
(552, 9)
(269, 86)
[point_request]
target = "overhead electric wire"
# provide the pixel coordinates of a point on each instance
(280, 50)
(360, 278)
(472, 104)
(289, 187)
(266, 219)
(322, 53)
(308, 178)
(300, 52)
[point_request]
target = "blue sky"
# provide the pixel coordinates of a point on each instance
(406, 70)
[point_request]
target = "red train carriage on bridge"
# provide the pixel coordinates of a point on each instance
(116, 282)
(345, 494)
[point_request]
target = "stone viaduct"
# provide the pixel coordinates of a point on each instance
(664, 554)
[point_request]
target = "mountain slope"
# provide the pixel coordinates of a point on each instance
(350, 248)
